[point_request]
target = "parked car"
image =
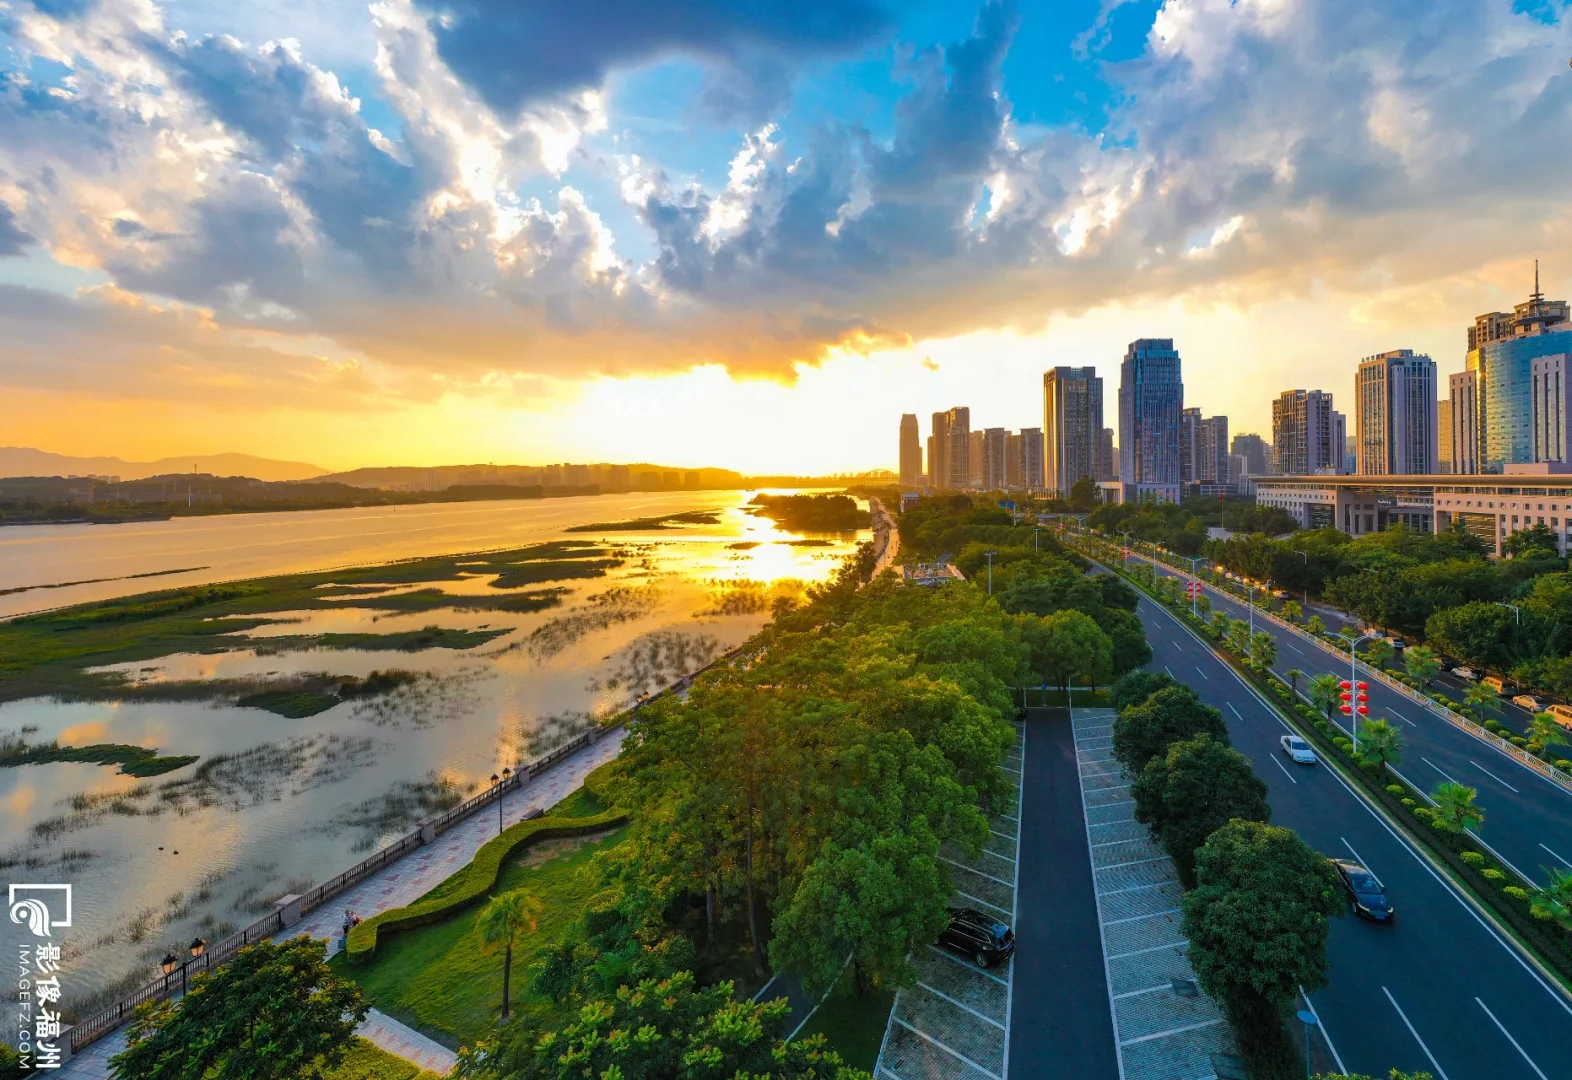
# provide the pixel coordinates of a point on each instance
(985, 940)
(1529, 702)
(1397, 642)
(1298, 749)
(1366, 895)
(1561, 714)
(1494, 683)
(1465, 673)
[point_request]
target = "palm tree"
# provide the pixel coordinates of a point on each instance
(1379, 745)
(1292, 611)
(1455, 808)
(503, 922)
(1220, 621)
(1423, 663)
(1203, 604)
(1379, 652)
(1263, 648)
(1555, 900)
(1293, 675)
(1479, 695)
(1326, 691)
(1316, 625)
(1544, 730)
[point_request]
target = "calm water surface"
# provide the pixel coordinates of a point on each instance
(293, 801)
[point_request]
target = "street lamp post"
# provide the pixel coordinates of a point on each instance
(1516, 611)
(1306, 558)
(990, 555)
(1195, 581)
(1251, 601)
(1307, 1018)
(1035, 530)
(499, 782)
(1354, 704)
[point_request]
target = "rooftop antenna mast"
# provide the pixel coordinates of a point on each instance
(1537, 294)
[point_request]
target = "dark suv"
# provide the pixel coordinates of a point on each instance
(985, 940)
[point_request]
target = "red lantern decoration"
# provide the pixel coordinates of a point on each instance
(1363, 698)
(1364, 710)
(1364, 686)
(1346, 710)
(1343, 696)
(1345, 685)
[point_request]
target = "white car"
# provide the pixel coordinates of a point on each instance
(1298, 749)
(1465, 673)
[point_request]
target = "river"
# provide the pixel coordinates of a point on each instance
(283, 803)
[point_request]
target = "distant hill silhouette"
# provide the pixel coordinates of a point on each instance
(25, 461)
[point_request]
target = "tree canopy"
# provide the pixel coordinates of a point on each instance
(1197, 787)
(1145, 731)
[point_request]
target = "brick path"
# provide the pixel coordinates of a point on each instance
(1166, 1028)
(395, 886)
(954, 1024)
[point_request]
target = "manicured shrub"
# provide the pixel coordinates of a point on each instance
(1518, 893)
(1519, 742)
(1397, 789)
(1472, 858)
(1493, 874)
(1564, 765)
(1410, 803)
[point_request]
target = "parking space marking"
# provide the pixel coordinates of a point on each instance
(973, 968)
(1439, 1070)
(956, 1054)
(1138, 918)
(1493, 776)
(1513, 1041)
(960, 1004)
(1172, 1031)
(979, 873)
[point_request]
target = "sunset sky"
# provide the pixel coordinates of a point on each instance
(745, 234)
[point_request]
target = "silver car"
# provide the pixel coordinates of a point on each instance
(1298, 749)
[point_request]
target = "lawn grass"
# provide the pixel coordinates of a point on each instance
(367, 1061)
(852, 1025)
(435, 978)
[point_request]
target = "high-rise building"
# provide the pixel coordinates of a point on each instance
(1189, 444)
(1307, 433)
(938, 452)
(1032, 458)
(1463, 427)
(1257, 455)
(1072, 426)
(976, 459)
(1014, 465)
(1151, 397)
(1551, 395)
(911, 451)
(1108, 457)
(958, 455)
(1444, 437)
(1395, 410)
(995, 458)
(1211, 456)
(1501, 350)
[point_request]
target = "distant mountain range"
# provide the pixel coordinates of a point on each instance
(25, 461)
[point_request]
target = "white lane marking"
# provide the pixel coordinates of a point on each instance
(1493, 776)
(970, 966)
(952, 1052)
(1201, 673)
(1568, 865)
(1439, 1070)
(765, 987)
(1560, 997)
(1236, 712)
(961, 1005)
(1325, 1034)
(1436, 767)
(1286, 773)
(1513, 1041)
(1169, 670)
(1360, 861)
(1172, 1031)
(1403, 718)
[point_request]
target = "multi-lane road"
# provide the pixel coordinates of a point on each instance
(1439, 990)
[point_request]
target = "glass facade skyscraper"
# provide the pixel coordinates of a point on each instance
(1502, 349)
(1151, 398)
(1072, 426)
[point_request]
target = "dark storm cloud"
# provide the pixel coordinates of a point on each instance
(13, 238)
(516, 52)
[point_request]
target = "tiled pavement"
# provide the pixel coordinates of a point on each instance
(1166, 1028)
(954, 1023)
(403, 881)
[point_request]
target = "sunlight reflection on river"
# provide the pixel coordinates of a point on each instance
(311, 796)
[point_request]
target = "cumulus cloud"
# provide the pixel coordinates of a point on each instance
(1258, 147)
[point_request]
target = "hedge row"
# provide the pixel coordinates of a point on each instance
(474, 882)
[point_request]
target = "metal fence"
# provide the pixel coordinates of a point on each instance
(106, 1020)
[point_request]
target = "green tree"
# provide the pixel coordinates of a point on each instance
(1380, 745)
(1483, 634)
(1543, 729)
(1326, 691)
(1554, 901)
(1422, 663)
(1316, 625)
(875, 904)
(1263, 648)
(1293, 675)
(1395, 1074)
(1067, 644)
(659, 1030)
(1379, 652)
(502, 923)
(1455, 809)
(272, 1012)
(1136, 686)
(1480, 696)
(1142, 732)
(1292, 611)
(1221, 622)
(1257, 918)
(1198, 786)
(1085, 494)
(1127, 637)
(1535, 537)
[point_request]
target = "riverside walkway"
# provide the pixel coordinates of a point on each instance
(395, 886)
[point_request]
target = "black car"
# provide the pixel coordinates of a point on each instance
(987, 941)
(1366, 895)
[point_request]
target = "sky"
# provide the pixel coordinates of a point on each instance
(743, 233)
